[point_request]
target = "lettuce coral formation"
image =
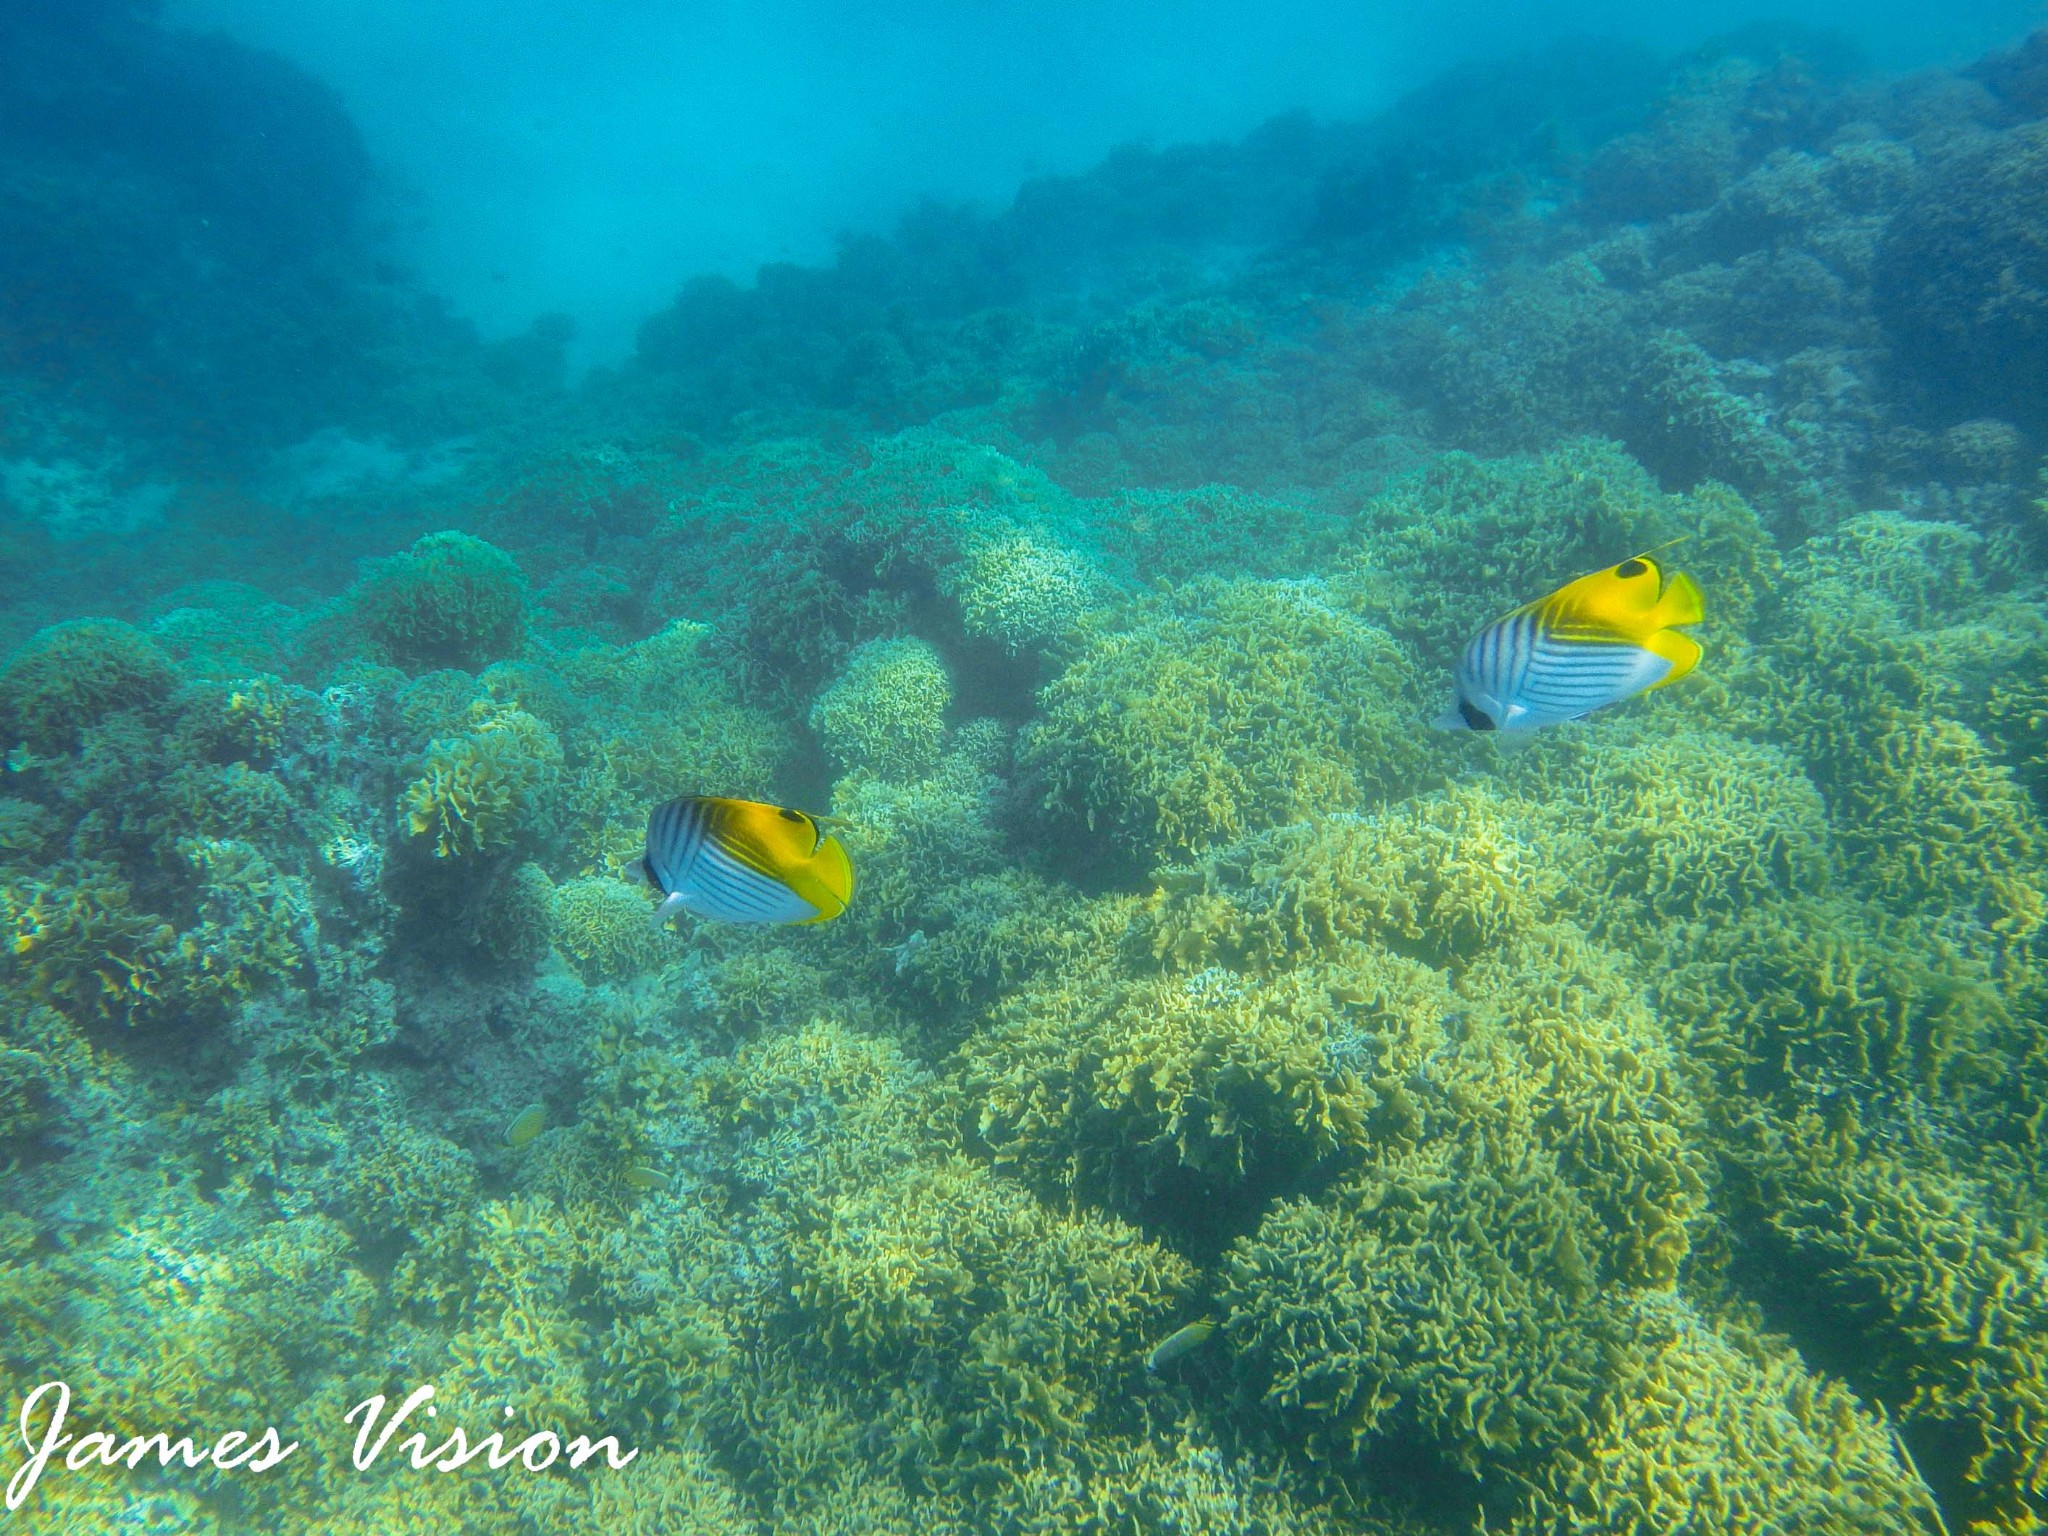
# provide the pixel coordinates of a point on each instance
(1637, 1132)
(886, 712)
(1231, 706)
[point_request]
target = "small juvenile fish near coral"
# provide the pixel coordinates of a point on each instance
(1179, 1344)
(740, 861)
(525, 1126)
(1593, 642)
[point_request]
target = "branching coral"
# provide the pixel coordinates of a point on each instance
(1452, 1302)
(1944, 1307)
(26, 1092)
(1020, 589)
(1034, 1322)
(1712, 1428)
(1961, 281)
(1653, 830)
(1924, 810)
(1186, 1101)
(885, 713)
(255, 925)
(600, 926)
(1460, 542)
(1228, 707)
(1818, 994)
(70, 676)
(452, 600)
(1438, 877)
(653, 720)
(84, 947)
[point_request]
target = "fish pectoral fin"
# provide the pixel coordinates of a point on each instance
(1682, 603)
(1682, 651)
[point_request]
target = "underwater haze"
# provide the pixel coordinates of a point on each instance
(1159, 773)
(549, 157)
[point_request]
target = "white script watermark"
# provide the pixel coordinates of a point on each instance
(48, 1443)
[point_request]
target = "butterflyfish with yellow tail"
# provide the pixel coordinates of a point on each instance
(1593, 642)
(740, 861)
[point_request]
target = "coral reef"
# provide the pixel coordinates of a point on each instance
(452, 600)
(885, 714)
(481, 789)
(71, 676)
(600, 925)
(1227, 707)
(1226, 1106)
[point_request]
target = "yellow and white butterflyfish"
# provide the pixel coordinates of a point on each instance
(1593, 642)
(740, 861)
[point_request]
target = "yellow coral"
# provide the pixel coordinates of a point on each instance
(477, 791)
(83, 945)
(1710, 1428)
(1231, 707)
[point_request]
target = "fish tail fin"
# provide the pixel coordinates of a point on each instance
(1682, 603)
(1682, 651)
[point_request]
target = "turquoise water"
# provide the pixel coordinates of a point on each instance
(1227, 1106)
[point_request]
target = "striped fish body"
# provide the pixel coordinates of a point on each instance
(1600, 639)
(739, 861)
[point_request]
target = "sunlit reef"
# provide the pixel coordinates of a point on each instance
(1640, 1132)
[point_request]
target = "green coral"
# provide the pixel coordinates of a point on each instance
(1942, 1305)
(657, 719)
(27, 1093)
(1223, 708)
(254, 926)
(1180, 535)
(413, 1196)
(27, 832)
(1712, 1427)
(1438, 877)
(83, 946)
(1189, 1100)
(600, 926)
(519, 1343)
(1961, 282)
(483, 789)
(1657, 832)
(885, 713)
(1463, 540)
(1476, 1326)
(1920, 805)
(452, 600)
(71, 676)
(1818, 993)
(1020, 588)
